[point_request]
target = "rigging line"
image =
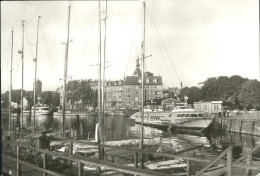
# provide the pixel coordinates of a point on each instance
(49, 54)
(148, 43)
(132, 45)
(164, 46)
(121, 11)
(57, 32)
(5, 65)
(162, 55)
(16, 69)
(7, 53)
(50, 58)
(29, 43)
(91, 31)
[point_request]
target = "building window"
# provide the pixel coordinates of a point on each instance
(136, 98)
(136, 87)
(147, 80)
(139, 81)
(157, 93)
(154, 80)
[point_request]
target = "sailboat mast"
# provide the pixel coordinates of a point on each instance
(143, 57)
(99, 80)
(10, 91)
(104, 68)
(22, 72)
(65, 74)
(35, 75)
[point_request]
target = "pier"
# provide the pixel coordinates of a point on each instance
(244, 125)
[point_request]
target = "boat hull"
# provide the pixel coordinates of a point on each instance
(59, 114)
(43, 112)
(167, 121)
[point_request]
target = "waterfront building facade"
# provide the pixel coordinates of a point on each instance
(211, 107)
(153, 88)
(114, 94)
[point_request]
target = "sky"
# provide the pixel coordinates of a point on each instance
(189, 41)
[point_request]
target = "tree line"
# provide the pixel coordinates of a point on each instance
(80, 90)
(77, 91)
(236, 92)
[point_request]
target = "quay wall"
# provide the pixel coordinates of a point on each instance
(239, 125)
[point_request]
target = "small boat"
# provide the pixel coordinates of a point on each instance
(42, 109)
(118, 112)
(164, 165)
(194, 120)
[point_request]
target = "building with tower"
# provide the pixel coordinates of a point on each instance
(153, 88)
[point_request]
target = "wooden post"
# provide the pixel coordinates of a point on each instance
(77, 127)
(71, 147)
(18, 166)
(253, 127)
(136, 159)
(44, 164)
(229, 162)
(188, 167)
(80, 169)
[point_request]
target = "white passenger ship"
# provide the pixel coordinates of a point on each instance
(193, 120)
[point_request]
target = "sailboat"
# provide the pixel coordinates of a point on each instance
(63, 113)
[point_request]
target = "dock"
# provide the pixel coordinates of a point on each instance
(238, 124)
(51, 162)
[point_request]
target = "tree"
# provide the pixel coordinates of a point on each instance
(236, 82)
(5, 99)
(208, 89)
(223, 88)
(80, 90)
(193, 93)
(249, 95)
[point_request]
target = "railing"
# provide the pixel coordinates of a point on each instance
(137, 170)
(247, 166)
(227, 152)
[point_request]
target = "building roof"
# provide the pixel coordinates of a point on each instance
(134, 80)
(114, 83)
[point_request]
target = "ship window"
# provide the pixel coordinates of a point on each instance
(193, 115)
(201, 115)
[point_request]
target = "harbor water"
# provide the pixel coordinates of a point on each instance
(118, 128)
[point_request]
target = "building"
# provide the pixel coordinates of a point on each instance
(38, 87)
(211, 107)
(94, 85)
(133, 90)
(114, 93)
